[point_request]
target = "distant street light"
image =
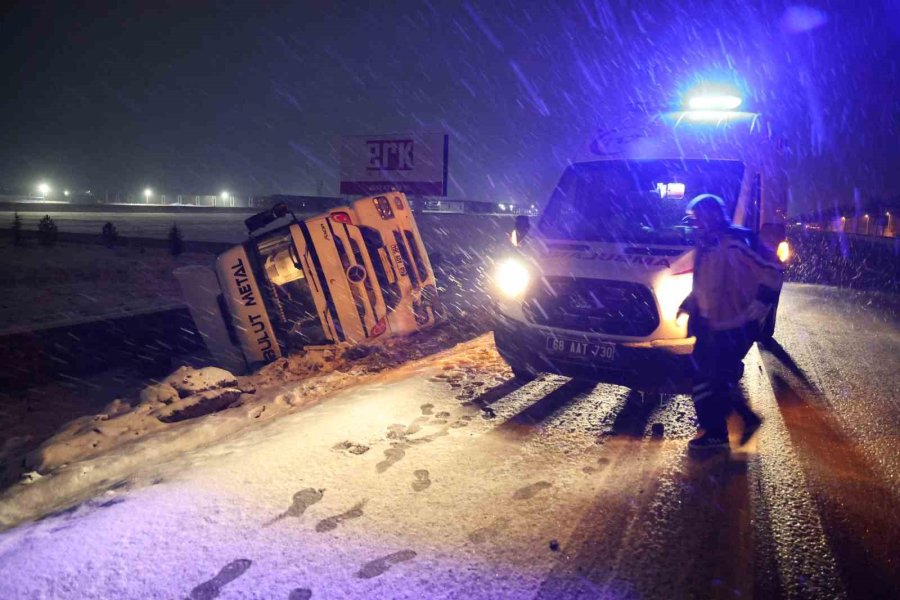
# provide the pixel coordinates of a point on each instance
(148, 193)
(867, 224)
(224, 196)
(44, 189)
(65, 192)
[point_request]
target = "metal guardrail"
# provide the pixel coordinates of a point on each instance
(857, 262)
(125, 241)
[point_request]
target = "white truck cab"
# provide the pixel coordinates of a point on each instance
(593, 287)
(353, 273)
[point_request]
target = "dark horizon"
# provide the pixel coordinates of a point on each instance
(252, 100)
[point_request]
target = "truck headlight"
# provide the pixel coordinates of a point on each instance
(512, 278)
(671, 290)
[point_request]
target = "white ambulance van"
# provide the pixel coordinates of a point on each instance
(592, 289)
(353, 273)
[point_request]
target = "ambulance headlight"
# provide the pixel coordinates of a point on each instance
(671, 291)
(783, 251)
(512, 278)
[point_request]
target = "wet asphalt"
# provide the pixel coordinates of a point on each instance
(446, 479)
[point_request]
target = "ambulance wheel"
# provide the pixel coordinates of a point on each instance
(767, 333)
(523, 374)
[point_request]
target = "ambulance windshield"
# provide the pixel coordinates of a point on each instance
(636, 201)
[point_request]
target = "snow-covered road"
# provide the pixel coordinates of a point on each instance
(444, 479)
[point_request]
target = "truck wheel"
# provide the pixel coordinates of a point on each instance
(523, 374)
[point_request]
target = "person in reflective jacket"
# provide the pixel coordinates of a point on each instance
(734, 290)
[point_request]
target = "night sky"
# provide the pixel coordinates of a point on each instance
(252, 97)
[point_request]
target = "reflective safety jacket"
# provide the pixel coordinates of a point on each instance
(734, 283)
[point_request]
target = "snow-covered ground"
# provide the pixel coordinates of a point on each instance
(418, 468)
(70, 283)
(389, 490)
(192, 408)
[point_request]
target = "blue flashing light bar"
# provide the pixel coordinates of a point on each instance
(714, 102)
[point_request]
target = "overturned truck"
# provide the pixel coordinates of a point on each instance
(351, 274)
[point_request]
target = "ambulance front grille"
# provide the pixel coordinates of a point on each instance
(593, 305)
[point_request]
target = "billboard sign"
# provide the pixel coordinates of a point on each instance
(413, 163)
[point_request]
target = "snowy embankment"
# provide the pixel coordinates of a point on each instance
(192, 408)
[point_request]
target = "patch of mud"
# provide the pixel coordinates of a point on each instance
(199, 405)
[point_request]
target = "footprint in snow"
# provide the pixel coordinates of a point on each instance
(396, 431)
(601, 463)
(301, 501)
(530, 491)
(300, 594)
(210, 589)
(427, 409)
(427, 439)
(379, 566)
(483, 534)
(391, 457)
(422, 482)
(333, 521)
(351, 447)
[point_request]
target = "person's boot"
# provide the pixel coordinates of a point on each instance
(709, 442)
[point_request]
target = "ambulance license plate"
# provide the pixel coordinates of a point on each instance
(579, 348)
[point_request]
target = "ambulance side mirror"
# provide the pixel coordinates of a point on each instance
(523, 226)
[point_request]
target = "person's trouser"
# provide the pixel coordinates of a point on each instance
(718, 366)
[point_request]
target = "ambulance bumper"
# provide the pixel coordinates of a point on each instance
(658, 365)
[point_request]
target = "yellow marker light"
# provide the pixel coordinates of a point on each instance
(671, 290)
(783, 251)
(512, 278)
